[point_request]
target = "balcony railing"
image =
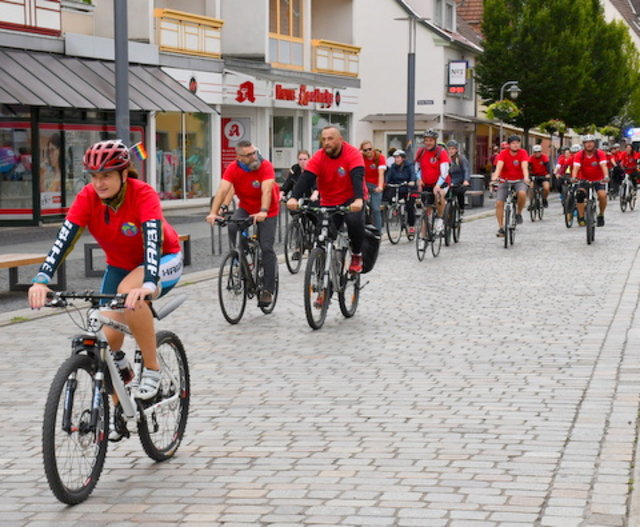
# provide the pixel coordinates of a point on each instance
(181, 32)
(286, 52)
(335, 58)
(34, 16)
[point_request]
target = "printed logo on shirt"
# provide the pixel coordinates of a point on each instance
(372, 166)
(594, 163)
(129, 229)
(341, 171)
(433, 160)
(255, 183)
(516, 162)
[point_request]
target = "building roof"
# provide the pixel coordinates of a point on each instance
(630, 11)
(471, 12)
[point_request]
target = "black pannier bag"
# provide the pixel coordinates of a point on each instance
(370, 248)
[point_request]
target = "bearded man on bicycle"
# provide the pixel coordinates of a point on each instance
(338, 170)
(513, 166)
(253, 179)
(432, 161)
(143, 252)
(590, 165)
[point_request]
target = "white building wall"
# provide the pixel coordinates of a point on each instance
(611, 13)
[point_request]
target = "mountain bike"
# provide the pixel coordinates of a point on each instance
(426, 234)
(397, 214)
(509, 214)
(452, 217)
(298, 239)
(327, 269)
(536, 206)
(590, 211)
(627, 194)
(241, 275)
(569, 204)
(76, 417)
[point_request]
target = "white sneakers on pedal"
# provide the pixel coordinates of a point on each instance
(149, 385)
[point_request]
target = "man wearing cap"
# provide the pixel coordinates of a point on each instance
(513, 166)
(540, 169)
(401, 173)
(590, 164)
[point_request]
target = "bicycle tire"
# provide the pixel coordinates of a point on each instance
(269, 309)
(457, 229)
(232, 288)
(448, 224)
(59, 465)
(533, 206)
(349, 296)
(589, 223)
(540, 208)
(316, 297)
(623, 197)
(436, 238)
(394, 223)
(632, 199)
(506, 218)
(568, 208)
(161, 442)
(293, 242)
(422, 240)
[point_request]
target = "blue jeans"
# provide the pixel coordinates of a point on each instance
(376, 201)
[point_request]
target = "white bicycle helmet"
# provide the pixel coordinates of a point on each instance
(537, 148)
(588, 137)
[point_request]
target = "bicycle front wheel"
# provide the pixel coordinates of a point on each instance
(394, 223)
(293, 246)
(422, 237)
(533, 206)
(623, 197)
(590, 223)
(507, 224)
(350, 294)
(316, 295)
(632, 199)
(568, 207)
(232, 288)
(162, 424)
(74, 449)
(448, 223)
(457, 225)
(436, 238)
(540, 208)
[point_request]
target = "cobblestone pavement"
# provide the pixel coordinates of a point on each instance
(487, 387)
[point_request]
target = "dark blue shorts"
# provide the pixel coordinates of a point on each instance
(170, 272)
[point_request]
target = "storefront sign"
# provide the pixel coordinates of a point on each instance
(233, 131)
(246, 92)
(457, 76)
(303, 96)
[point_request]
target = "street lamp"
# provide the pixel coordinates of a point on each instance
(514, 91)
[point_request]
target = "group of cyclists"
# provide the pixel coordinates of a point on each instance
(143, 253)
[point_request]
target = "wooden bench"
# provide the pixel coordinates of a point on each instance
(16, 260)
(90, 270)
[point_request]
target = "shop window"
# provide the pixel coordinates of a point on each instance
(322, 119)
(183, 150)
(15, 173)
(283, 131)
(285, 18)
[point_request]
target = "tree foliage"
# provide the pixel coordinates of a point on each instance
(570, 63)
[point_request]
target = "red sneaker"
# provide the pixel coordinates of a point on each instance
(356, 263)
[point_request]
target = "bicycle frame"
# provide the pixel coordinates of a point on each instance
(248, 243)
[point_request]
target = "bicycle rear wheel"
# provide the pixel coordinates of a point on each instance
(293, 246)
(394, 223)
(232, 288)
(422, 236)
(316, 295)
(269, 309)
(350, 294)
(163, 422)
(73, 450)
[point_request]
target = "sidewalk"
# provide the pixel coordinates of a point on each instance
(204, 263)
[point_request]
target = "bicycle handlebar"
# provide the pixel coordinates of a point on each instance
(59, 298)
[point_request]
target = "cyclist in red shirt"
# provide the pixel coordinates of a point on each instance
(253, 180)
(629, 163)
(590, 164)
(540, 170)
(143, 253)
(513, 165)
(432, 162)
(338, 170)
(616, 172)
(375, 165)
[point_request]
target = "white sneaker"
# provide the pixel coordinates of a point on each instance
(149, 385)
(439, 226)
(114, 434)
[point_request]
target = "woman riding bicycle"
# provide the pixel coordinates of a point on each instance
(142, 250)
(401, 172)
(459, 172)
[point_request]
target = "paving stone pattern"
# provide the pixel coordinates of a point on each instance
(486, 387)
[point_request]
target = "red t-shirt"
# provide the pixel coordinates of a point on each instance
(430, 161)
(512, 169)
(538, 165)
(590, 166)
(333, 175)
(371, 167)
(248, 187)
(629, 162)
(121, 237)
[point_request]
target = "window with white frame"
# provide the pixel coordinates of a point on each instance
(444, 14)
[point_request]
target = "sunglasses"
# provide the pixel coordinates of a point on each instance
(367, 149)
(250, 154)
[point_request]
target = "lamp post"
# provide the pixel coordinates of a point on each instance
(121, 39)
(514, 91)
